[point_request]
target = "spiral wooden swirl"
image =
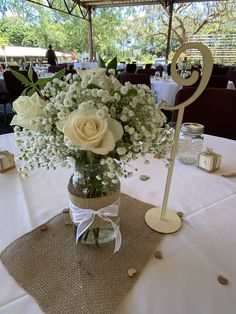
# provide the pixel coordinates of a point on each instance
(207, 69)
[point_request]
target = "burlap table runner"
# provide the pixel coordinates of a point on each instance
(67, 278)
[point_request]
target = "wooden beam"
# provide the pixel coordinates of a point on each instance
(66, 9)
(90, 34)
(171, 5)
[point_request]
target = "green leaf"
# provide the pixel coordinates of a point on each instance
(31, 92)
(30, 74)
(59, 74)
(24, 93)
(112, 64)
(20, 77)
(100, 61)
(92, 86)
(43, 81)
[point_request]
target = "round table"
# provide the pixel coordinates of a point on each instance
(165, 90)
(185, 280)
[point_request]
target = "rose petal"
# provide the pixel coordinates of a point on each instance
(17, 120)
(106, 145)
(116, 129)
(27, 109)
(20, 105)
(61, 123)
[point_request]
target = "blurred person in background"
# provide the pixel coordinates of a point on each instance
(73, 55)
(51, 56)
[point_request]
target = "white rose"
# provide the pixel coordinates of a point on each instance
(88, 132)
(97, 77)
(27, 109)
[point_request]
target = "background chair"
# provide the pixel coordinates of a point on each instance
(216, 81)
(232, 76)
(56, 68)
(215, 109)
(149, 72)
(220, 70)
(168, 69)
(148, 66)
(13, 85)
(159, 68)
(134, 78)
(131, 68)
(14, 67)
(4, 100)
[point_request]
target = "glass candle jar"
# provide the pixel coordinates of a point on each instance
(190, 142)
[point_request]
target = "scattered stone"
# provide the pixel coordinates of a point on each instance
(158, 254)
(66, 210)
(144, 177)
(43, 227)
(222, 280)
(131, 272)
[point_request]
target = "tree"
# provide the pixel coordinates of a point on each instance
(13, 29)
(106, 31)
(194, 18)
(3, 41)
(135, 33)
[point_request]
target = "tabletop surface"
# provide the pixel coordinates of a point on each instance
(185, 280)
(165, 89)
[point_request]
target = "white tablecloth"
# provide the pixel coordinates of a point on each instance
(165, 90)
(185, 280)
(85, 65)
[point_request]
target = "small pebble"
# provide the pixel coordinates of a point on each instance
(144, 177)
(158, 254)
(222, 280)
(131, 272)
(180, 214)
(66, 210)
(43, 227)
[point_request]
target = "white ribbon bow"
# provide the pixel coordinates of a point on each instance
(84, 217)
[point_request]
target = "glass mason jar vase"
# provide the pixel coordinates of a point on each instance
(190, 142)
(91, 190)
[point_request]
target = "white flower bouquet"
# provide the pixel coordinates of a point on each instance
(91, 122)
(89, 118)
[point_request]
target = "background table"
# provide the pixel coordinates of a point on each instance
(165, 90)
(85, 65)
(185, 280)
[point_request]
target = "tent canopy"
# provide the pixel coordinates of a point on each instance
(13, 51)
(113, 3)
(86, 7)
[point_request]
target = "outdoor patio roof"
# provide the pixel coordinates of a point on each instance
(113, 3)
(86, 7)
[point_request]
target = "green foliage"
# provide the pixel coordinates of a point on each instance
(112, 65)
(4, 41)
(131, 33)
(30, 86)
(101, 63)
(13, 29)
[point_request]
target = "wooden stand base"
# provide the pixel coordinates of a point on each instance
(171, 223)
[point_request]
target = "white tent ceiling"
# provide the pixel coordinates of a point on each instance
(13, 51)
